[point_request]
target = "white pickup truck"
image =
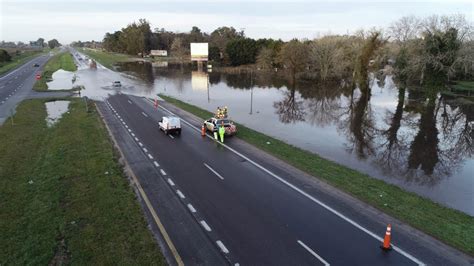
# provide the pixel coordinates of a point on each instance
(170, 124)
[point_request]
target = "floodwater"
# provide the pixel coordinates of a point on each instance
(421, 144)
(62, 80)
(55, 111)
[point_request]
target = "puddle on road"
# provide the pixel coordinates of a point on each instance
(62, 80)
(55, 111)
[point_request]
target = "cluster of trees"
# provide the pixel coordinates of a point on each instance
(4, 56)
(433, 48)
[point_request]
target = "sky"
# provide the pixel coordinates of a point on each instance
(67, 21)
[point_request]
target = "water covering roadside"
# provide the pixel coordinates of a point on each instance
(396, 134)
(62, 80)
(55, 111)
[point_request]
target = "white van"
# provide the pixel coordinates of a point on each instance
(170, 124)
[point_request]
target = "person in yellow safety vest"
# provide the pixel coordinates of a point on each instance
(222, 132)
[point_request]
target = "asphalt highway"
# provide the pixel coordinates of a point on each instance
(250, 214)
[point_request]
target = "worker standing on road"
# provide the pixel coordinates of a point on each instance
(222, 132)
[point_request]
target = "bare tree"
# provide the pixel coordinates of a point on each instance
(178, 50)
(265, 58)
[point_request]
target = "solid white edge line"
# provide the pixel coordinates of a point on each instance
(313, 253)
(222, 247)
(340, 215)
(180, 194)
(171, 182)
(162, 172)
(191, 208)
(156, 164)
(214, 171)
(205, 225)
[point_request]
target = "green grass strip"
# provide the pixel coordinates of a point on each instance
(59, 61)
(63, 196)
(104, 58)
(453, 227)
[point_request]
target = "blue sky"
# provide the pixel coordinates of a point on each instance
(23, 20)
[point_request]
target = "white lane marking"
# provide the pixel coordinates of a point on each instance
(222, 247)
(162, 172)
(340, 215)
(145, 150)
(126, 126)
(129, 130)
(133, 134)
(180, 194)
(136, 139)
(171, 182)
(149, 156)
(313, 253)
(129, 102)
(139, 143)
(191, 208)
(145, 115)
(171, 136)
(205, 225)
(214, 171)
(156, 164)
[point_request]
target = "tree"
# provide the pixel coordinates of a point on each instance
(4, 56)
(53, 43)
(265, 58)
(178, 50)
(40, 42)
(242, 51)
(324, 54)
(214, 54)
(294, 56)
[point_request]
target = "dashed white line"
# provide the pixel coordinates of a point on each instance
(136, 139)
(139, 143)
(214, 171)
(156, 164)
(180, 194)
(313, 253)
(171, 182)
(145, 115)
(171, 136)
(149, 156)
(129, 130)
(205, 225)
(133, 134)
(145, 150)
(162, 172)
(129, 102)
(222, 247)
(191, 208)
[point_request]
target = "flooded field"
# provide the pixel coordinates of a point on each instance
(55, 111)
(396, 134)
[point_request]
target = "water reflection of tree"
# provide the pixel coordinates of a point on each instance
(323, 102)
(142, 70)
(289, 109)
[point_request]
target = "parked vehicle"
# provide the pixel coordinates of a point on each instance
(36, 65)
(170, 124)
(116, 84)
(213, 123)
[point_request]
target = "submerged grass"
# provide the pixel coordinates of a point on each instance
(63, 196)
(59, 61)
(106, 59)
(453, 227)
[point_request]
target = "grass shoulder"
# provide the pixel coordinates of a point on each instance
(59, 61)
(18, 60)
(105, 58)
(453, 227)
(64, 197)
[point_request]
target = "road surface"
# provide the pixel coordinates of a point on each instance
(252, 210)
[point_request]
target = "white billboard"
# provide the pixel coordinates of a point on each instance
(159, 53)
(199, 51)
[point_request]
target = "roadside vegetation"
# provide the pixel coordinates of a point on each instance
(450, 226)
(63, 196)
(106, 59)
(12, 59)
(59, 61)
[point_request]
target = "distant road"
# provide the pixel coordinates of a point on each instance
(254, 211)
(17, 85)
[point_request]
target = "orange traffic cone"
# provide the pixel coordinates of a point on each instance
(386, 241)
(203, 131)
